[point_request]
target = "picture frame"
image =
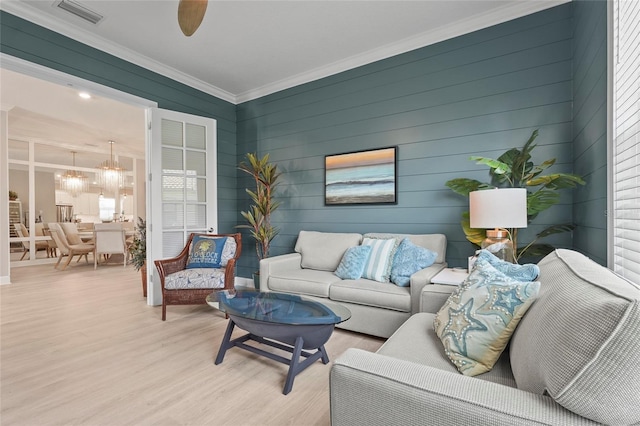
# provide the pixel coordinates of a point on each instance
(361, 177)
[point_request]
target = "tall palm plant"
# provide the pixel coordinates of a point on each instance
(258, 217)
(514, 169)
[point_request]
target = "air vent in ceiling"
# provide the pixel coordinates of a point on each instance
(79, 10)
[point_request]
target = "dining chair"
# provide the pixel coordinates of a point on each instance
(74, 235)
(23, 232)
(52, 247)
(66, 248)
(129, 228)
(109, 239)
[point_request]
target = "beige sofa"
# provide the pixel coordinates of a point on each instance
(377, 308)
(573, 360)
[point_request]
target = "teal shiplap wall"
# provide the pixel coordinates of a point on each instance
(33, 43)
(590, 127)
(478, 94)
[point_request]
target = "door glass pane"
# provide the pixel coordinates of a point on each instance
(172, 243)
(196, 216)
(171, 132)
(172, 188)
(172, 161)
(196, 136)
(172, 215)
(196, 189)
(196, 162)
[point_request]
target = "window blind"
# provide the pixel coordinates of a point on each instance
(626, 138)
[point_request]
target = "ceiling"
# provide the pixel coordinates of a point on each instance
(49, 113)
(247, 49)
(242, 50)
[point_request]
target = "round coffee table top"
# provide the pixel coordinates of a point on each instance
(279, 308)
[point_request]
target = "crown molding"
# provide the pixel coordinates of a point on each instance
(31, 14)
(465, 26)
(497, 16)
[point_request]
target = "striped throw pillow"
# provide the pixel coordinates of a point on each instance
(378, 266)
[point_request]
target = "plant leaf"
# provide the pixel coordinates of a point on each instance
(536, 170)
(464, 186)
(497, 167)
(536, 250)
(522, 165)
(541, 200)
(474, 235)
(557, 181)
(556, 229)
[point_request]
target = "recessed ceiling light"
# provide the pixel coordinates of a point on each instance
(84, 95)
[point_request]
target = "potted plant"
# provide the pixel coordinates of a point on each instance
(258, 216)
(514, 169)
(138, 251)
(13, 196)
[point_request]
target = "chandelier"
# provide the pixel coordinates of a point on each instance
(110, 175)
(73, 181)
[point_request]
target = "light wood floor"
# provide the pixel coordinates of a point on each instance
(81, 347)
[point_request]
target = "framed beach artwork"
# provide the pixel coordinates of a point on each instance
(363, 177)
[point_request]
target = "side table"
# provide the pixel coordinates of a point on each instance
(450, 276)
(435, 294)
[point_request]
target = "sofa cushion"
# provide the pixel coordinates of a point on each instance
(205, 252)
(372, 293)
(408, 260)
(416, 341)
(323, 251)
(528, 272)
(353, 262)
(437, 243)
(303, 281)
(195, 278)
(478, 319)
(580, 341)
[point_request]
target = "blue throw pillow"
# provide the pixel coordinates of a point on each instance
(352, 264)
(523, 273)
(206, 252)
(408, 260)
(378, 266)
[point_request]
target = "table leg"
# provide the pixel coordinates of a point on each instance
(325, 357)
(293, 366)
(226, 342)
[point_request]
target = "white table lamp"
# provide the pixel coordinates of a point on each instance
(498, 208)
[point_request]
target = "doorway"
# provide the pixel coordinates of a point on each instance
(50, 132)
(195, 174)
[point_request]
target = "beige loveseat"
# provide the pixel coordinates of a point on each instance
(573, 360)
(377, 308)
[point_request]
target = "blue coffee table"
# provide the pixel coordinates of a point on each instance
(288, 322)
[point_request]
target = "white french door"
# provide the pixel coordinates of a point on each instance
(181, 186)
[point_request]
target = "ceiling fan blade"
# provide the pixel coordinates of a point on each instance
(190, 15)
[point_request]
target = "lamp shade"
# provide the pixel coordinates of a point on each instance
(498, 208)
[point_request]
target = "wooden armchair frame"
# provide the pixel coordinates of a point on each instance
(193, 296)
